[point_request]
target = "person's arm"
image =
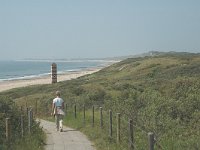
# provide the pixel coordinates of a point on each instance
(63, 105)
(53, 107)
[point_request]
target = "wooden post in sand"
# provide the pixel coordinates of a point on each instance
(22, 125)
(131, 144)
(151, 140)
(75, 111)
(30, 120)
(110, 123)
(8, 129)
(118, 128)
(84, 114)
(101, 117)
(54, 73)
(92, 116)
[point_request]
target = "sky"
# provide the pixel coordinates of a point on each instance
(55, 29)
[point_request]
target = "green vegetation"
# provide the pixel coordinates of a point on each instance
(161, 94)
(32, 141)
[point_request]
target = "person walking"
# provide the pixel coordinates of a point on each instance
(58, 111)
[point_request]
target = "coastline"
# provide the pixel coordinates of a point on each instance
(7, 85)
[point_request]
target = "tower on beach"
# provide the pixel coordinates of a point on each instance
(53, 73)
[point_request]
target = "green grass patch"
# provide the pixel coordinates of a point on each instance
(161, 94)
(100, 135)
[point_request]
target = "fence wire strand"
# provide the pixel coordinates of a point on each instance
(125, 140)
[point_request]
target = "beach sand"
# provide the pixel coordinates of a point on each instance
(6, 85)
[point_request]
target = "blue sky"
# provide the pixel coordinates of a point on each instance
(97, 28)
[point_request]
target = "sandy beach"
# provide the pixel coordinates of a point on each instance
(6, 85)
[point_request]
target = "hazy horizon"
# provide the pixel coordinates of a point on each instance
(97, 29)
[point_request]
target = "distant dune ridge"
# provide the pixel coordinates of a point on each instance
(6, 85)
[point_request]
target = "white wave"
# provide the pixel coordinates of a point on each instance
(40, 75)
(26, 77)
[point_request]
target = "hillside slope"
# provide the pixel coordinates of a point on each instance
(160, 93)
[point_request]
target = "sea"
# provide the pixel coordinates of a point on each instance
(27, 69)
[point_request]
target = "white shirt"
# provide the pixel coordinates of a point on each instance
(58, 101)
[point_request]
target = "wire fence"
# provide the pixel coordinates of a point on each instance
(120, 130)
(16, 126)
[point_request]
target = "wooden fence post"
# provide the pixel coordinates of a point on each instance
(21, 108)
(151, 140)
(110, 128)
(8, 129)
(131, 144)
(22, 125)
(27, 111)
(14, 104)
(36, 108)
(101, 117)
(92, 116)
(84, 114)
(118, 127)
(66, 108)
(30, 120)
(75, 111)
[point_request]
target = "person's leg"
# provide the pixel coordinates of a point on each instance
(57, 122)
(61, 122)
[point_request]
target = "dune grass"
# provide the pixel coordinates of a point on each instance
(161, 94)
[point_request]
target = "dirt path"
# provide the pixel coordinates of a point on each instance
(69, 139)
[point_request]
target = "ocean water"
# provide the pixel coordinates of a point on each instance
(14, 70)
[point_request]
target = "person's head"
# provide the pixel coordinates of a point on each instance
(58, 93)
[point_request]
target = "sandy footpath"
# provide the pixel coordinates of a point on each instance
(6, 85)
(69, 139)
